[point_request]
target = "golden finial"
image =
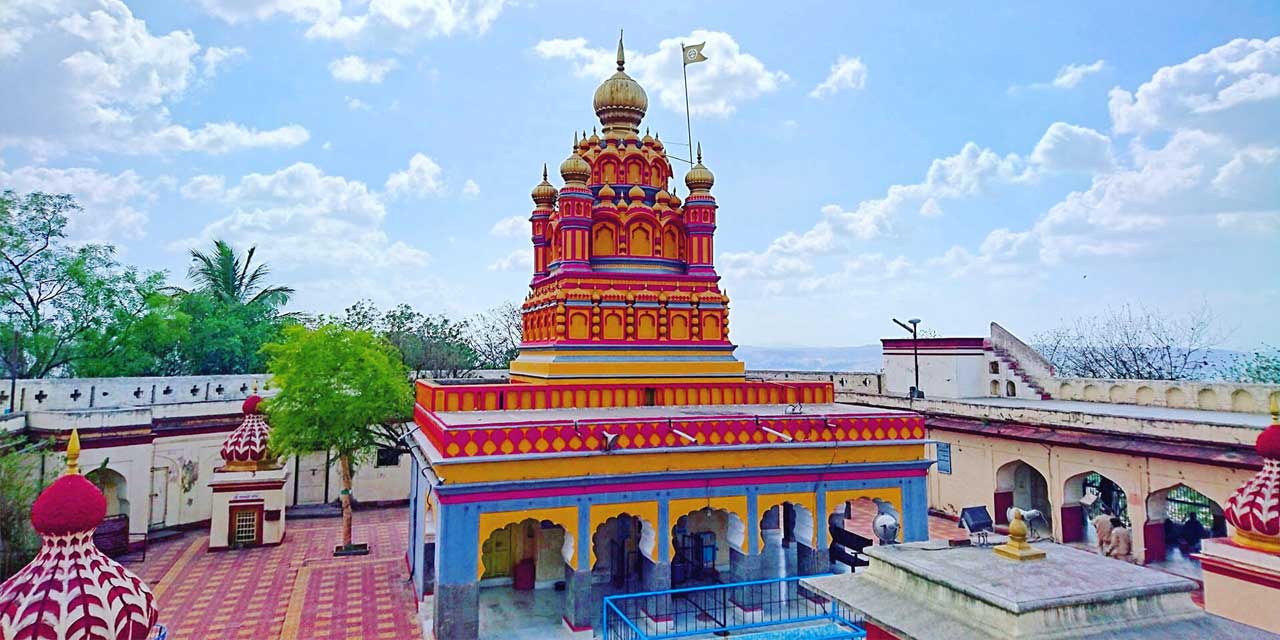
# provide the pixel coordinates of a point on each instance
(622, 59)
(575, 139)
(1017, 548)
(699, 152)
(1275, 409)
(73, 453)
(544, 172)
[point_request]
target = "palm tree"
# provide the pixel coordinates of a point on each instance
(226, 275)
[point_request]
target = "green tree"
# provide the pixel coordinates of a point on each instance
(341, 390)
(428, 344)
(230, 277)
(151, 346)
(232, 312)
(61, 303)
(496, 334)
(18, 489)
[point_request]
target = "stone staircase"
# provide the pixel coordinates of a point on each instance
(1010, 363)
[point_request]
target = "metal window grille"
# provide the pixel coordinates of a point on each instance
(781, 605)
(246, 527)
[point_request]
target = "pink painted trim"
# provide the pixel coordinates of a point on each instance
(559, 492)
(1231, 569)
(573, 628)
(623, 341)
(660, 421)
(932, 343)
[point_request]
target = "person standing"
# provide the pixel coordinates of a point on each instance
(1102, 526)
(1121, 546)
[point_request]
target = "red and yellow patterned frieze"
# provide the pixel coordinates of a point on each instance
(635, 434)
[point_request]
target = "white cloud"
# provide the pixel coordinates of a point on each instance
(422, 178)
(235, 11)
(1232, 89)
(355, 104)
(1068, 77)
(518, 260)
(204, 187)
(510, 227)
(1071, 75)
(717, 87)
(106, 83)
(1067, 147)
(331, 226)
(215, 57)
(470, 189)
(846, 73)
(357, 69)
(399, 24)
(114, 205)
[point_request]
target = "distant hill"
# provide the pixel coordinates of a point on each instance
(863, 358)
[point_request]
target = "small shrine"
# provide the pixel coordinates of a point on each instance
(71, 590)
(248, 489)
(1242, 573)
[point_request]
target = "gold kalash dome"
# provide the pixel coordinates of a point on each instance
(624, 285)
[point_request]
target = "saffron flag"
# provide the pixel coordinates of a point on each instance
(693, 53)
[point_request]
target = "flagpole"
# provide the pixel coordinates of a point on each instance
(688, 122)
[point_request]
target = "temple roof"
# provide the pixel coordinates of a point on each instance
(71, 590)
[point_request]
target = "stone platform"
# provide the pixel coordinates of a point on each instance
(932, 590)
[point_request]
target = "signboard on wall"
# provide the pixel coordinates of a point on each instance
(944, 457)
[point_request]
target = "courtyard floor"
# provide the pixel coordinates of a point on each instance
(296, 590)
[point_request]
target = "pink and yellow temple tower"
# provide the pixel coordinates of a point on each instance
(624, 281)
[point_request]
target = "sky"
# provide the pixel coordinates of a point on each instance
(1025, 163)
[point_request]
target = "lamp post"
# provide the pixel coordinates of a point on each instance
(915, 351)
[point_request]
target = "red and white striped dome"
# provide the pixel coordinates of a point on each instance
(1254, 509)
(245, 448)
(71, 590)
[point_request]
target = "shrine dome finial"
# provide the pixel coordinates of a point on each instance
(245, 448)
(544, 194)
(574, 168)
(109, 601)
(620, 101)
(1253, 509)
(699, 178)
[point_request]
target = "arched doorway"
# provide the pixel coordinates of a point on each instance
(702, 542)
(623, 547)
(787, 539)
(112, 535)
(114, 487)
(1021, 485)
(527, 554)
(1178, 518)
(850, 526)
(1084, 496)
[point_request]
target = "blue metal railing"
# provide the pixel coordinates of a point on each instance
(759, 605)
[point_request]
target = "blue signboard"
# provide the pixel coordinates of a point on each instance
(944, 457)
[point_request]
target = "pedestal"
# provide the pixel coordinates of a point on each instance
(1240, 583)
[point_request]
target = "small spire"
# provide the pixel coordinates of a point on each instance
(699, 152)
(575, 139)
(73, 453)
(1275, 409)
(544, 172)
(622, 59)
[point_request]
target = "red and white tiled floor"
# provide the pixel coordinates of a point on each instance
(297, 590)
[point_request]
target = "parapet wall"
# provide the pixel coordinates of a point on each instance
(70, 394)
(1182, 394)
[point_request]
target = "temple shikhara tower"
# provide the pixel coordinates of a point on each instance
(624, 282)
(627, 451)
(248, 489)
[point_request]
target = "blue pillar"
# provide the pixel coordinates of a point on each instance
(664, 530)
(584, 537)
(915, 509)
(457, 595)
(753, 521)
(820, 518)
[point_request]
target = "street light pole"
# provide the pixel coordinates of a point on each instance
(915, 352)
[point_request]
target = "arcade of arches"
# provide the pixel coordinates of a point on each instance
(1069, 486)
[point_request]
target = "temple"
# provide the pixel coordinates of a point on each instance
(627, 451)
(624, 283)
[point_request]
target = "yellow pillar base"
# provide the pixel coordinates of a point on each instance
(1017, 550)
